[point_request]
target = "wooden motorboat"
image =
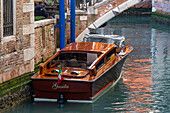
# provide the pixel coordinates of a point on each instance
(88, 69)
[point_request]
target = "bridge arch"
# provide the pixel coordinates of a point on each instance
(104, 11)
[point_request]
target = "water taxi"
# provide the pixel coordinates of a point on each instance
(82, 71)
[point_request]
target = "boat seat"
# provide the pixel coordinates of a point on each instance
(83, 65)
(73, 63)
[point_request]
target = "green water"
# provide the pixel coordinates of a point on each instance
(145, 85)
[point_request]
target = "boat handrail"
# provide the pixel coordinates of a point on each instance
(42, 66)
(113, 37)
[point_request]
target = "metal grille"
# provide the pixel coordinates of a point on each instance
(7, 17)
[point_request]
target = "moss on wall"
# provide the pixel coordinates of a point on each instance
(39, 18)
(161, 15)
(139, 10)
(16, 91)
(161, 18)
(22, 95)
(12, 85)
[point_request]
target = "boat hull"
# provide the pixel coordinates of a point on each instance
(110, 76)
(75, 90)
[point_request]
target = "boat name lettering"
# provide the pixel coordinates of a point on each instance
(57, 86)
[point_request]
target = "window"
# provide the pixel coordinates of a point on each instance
(7, 17)
(100, 64)
(110, 54)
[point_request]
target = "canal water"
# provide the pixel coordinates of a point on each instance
(145, 85)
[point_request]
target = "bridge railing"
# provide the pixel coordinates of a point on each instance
(83, 4)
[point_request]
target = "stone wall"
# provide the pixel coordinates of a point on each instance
(44, 40)
(11, 100)
(17, 51)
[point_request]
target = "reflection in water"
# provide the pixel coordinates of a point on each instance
(160, 48)
(147, 69)
(145, 85)
(138, 79)
(137, 72)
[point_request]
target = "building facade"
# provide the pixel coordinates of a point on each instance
(16, 38)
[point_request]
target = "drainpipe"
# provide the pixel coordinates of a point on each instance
(73, 21)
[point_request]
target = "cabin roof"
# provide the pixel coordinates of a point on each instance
(88, 47)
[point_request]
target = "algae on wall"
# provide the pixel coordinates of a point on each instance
(15, 91)
(161, 18)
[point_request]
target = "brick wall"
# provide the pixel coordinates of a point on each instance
(144, 4)
(44, 40)
(17, 51)
(0, 28)
(109, 6)
(161, 6)
(38, 45)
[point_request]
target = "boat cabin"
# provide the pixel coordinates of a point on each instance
(79, 59)
(81, 71)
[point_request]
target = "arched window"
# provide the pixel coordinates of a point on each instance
(7, 17)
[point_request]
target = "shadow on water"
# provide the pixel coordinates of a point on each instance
(145, 85)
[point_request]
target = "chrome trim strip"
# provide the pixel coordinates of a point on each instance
(44, 100)
(55, 100)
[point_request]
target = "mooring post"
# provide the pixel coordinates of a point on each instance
(62, 23)
(73, 21)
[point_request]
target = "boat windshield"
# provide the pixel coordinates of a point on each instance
(79, 60)
(111, 39)
(103, 40)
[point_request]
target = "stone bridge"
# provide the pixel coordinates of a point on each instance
(98, 14)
